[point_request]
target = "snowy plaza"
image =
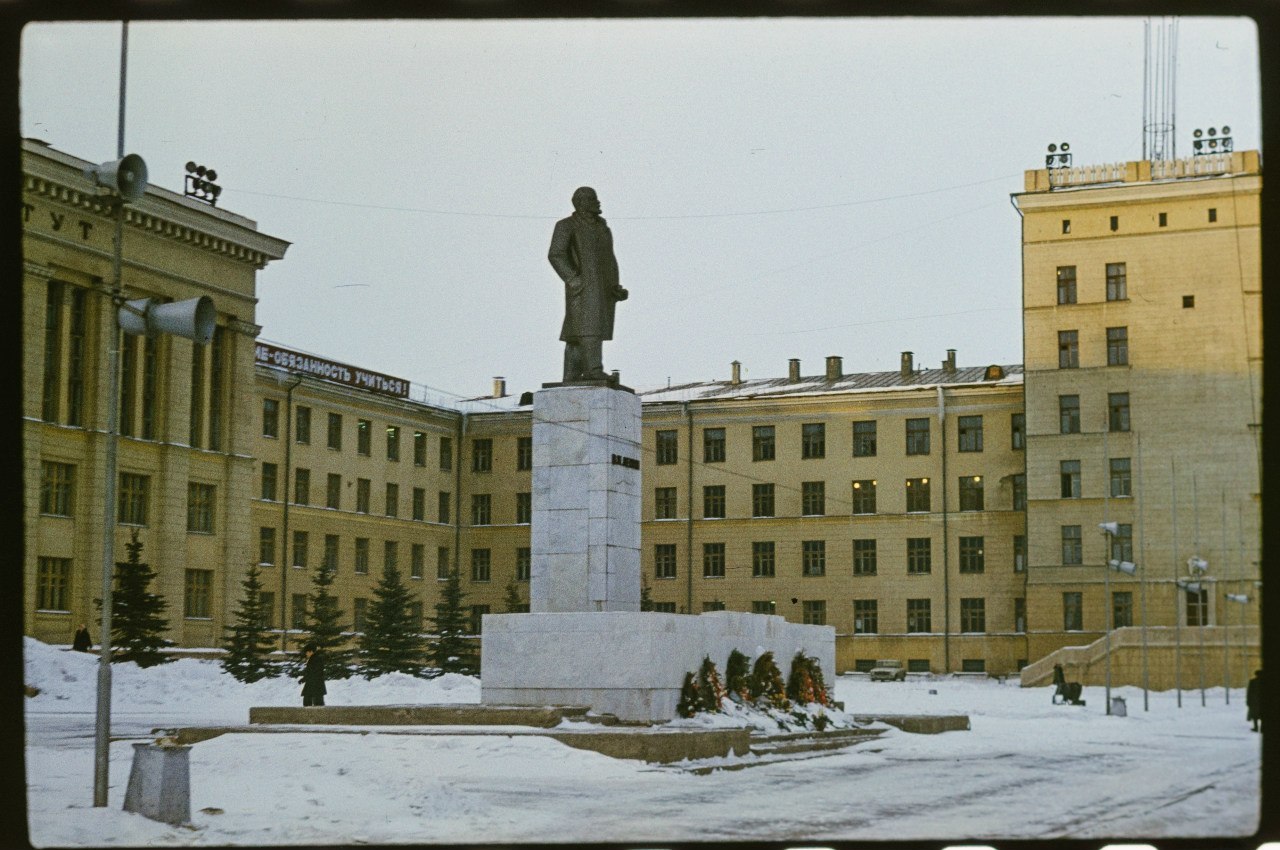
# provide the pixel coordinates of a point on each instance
(1026, 769)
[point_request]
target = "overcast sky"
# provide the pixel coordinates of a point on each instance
(776, 188)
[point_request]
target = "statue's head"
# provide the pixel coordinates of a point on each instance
(585, 200)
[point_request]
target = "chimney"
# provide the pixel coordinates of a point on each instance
(834, 368)
(736, 368)
(615, 376)
(793, 370)
(908, 365)
(949, 365)
(499, 387)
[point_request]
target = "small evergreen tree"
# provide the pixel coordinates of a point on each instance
(515, 604)
(646, 598)
(690, 697)
(767, 686)
(248, 642)
(710, 688)
(805, 684)
(323, 623)
(737, 676)
(391, 642)
(451, 652)
(137, 619)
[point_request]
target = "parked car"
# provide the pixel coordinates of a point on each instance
(888, 670)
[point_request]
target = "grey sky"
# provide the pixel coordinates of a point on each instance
(777, 188)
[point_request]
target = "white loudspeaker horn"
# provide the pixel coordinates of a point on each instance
(193, 319)
(126, 176)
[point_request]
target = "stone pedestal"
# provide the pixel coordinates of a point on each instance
(160, 782)
(585, 534)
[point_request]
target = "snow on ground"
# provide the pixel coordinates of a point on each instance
(1026, 769)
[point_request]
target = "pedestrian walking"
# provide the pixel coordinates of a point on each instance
(1253, 699)
(82, 642)
(313, 689)
(1059, 683)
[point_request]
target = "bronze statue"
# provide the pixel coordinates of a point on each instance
(582, 254)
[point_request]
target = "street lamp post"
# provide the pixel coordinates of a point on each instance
(284, 531)
(1110, 529)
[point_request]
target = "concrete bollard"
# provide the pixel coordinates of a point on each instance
(1118, 708)
(160, 782)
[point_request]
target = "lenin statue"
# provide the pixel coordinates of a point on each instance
(582, 254)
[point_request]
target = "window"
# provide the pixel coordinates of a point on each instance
(302, 425)
(713, 502)
(359, 613)
(333, 491)
(330, 559)
(1198, 607)
(419, 504)
(762, 500)
(1068, 349)
(813, 498)
(524, 563)
(1072, 611)
(1072, 546)
(415, 615)
(1115, 222)
(442, 562)
(970, 432)
(919, 555)
(269, 481)
(57, 488)
(664, 503)
(1118, 411)
(973, 614)
(131, 502)
(1121, 609)
(917, 494)
(477, 618)
(1020, 618)
(917, 665)
(972, 559)
(270, 417)
(813, 441)
(267, 601)
(53, 584)
(918, 436)
(364, 437)
(1121, 481)
(195, 596)
(334, 436)
(864, 439)
(975, 665)
(1019, 488)
(713, 560)
(524, 508)
(393, 442)
(393, 499)
(667, 448)
(764, 606)
(390, 555)
(1017, 431)
(300, 540)
(481, 508)
(419, 448)
(865, 617)
(864, 665)
(1188, 302)
(77, 344)
(713, 605)
(363, 487)
(864, 496)
(301, 486)
(266, 546)
(524, 453)
(361, 560)
(1117, 286)
(713, 445)
(664, 560)
(1213, 214)
(443, 499)
(762, 559)
(480, 565)
(1117, 346)
(1066, 225)
(1069, 475)
(1122, 543)
(814, 612)
(664, 607)
(813, 558)
(299, 618)
(52, 350)
(919, 616)
(128, 388)
(446, 454)
(864, 557)
(1068, 414)
(1066, 284)
(971, 493)
(200, 501)
(1164, 219)
(762, 442)
(1019, 553)
(482, 455)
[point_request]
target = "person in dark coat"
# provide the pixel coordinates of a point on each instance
(1059, 682)
(313, 689)
(1253, 699)
(82, 642)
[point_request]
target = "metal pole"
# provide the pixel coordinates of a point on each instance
(284, 532)
(102, 718)
(1226, 629)
(1142, 577)
(1244, 638)
(1108, 608)
(1202, 606)
(1177, 595)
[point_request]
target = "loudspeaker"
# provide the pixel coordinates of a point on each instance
(193, 319)
(127, 176)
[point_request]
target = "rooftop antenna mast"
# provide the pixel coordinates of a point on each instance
(1159, 88)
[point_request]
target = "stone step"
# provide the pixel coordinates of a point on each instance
(806, 742)
(458, 714)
